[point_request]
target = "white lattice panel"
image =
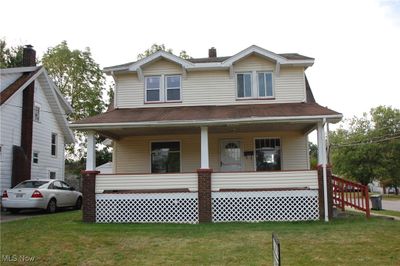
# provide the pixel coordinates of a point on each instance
(147, 208)
(295, 205)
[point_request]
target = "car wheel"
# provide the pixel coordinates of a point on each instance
(52, 206)
(78, 204)
(14, 211)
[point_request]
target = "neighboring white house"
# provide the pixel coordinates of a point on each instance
(210, 139)
(39, 126)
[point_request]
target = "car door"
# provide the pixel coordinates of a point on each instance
(59, 193)
(70, 197)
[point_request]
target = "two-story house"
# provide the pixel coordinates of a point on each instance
(209, 139)
(34, 129)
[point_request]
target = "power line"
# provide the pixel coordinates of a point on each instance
(365, 142)
(41, 109)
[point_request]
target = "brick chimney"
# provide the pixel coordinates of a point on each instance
(22, 168)
(28, 56)
(212, 52)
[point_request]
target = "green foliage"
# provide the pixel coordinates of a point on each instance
(313, 153)
(161, 47)
(370, 148)
(78, 77)
(10, 56)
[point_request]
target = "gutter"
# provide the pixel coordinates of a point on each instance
(174, 123)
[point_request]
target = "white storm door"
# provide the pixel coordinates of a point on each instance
(231, 156)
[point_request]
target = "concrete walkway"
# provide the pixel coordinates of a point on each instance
(392, 205)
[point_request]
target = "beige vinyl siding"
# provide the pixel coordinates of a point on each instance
(146, 181)
(211, 87)
(132, 154)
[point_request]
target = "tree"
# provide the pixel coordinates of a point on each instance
(10, 57)
(313, 153)
(161, 47)
(78, 77)
(370, 147)
(82, 83)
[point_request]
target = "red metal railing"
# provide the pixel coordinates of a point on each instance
(347, 193)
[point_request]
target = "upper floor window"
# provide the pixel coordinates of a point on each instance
(259, 87)
(163, 88)
(53, 144)
(244, 85)
(35, 157)
(36, 112)
(265, 84)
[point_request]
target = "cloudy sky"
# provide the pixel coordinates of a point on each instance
(356, 44)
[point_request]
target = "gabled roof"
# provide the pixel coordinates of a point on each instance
(56, 101)
(215, 62)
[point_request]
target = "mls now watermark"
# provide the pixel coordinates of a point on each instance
(17, 258)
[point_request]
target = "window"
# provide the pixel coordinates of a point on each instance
(36, 157)
(265, 84)
(268, 154)
(254, 85)
(36, 113)
(53, 144)
(173, 87)
(57, 185)
(165, 157)
(1, 152)
(244, 85)
(153, 88)
(163, 88)
(52, 175)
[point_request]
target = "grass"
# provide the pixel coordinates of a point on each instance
(387, 212)
(391, 197)
(62, 239)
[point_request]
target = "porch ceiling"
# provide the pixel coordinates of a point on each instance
(117, 133)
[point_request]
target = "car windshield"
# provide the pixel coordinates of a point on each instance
(31, 184)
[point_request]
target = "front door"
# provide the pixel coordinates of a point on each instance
(231, 156)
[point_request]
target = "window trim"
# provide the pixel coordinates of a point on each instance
(55, 144)
(180, 155)
(273, 85)
(152, 89)
(255, 85)
(37, 157)
(244, 89)
(173, 88)
(163, 89)
(254, 152)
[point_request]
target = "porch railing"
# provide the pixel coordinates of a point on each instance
(264, 180)
(146, 181)
(347, 193)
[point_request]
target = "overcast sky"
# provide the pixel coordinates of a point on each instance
(356, 44)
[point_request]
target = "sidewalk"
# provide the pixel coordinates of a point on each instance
(392, 205)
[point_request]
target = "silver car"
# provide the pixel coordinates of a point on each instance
(47, 194)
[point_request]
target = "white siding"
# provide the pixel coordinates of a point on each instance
(42, 140)
(10, 119)
(132, 154)
(212, 87)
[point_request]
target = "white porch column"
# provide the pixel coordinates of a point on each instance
(204, 148)
(322, 161)
(91, 152)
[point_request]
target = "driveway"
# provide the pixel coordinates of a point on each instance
(393, 205)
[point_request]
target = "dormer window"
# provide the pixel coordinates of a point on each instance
(254, 85)
(163, 88)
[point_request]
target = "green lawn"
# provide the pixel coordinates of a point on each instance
(387, 212)
(62, 239)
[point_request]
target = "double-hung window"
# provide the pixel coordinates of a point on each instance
(244, 85)
(264, 84)
(53, 144)
(163, 88)
(153, 89)
(254, 85)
